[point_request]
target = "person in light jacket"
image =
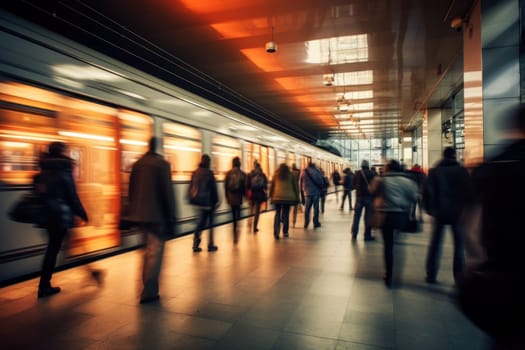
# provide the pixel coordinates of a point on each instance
(311, 181)
(284, 192)
(395, 193)
(152, 209)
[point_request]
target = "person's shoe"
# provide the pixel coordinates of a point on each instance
(354, 237)
(197, 249)
(430, 280)
(212, 248)
(371, 238)
(255, 230)
(47, 291)
(317, 225)
(286, 235)
(276, 237)
(98, 276)
(145, 300)
(388, 281)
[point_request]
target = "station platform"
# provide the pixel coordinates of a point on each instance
(317, 289)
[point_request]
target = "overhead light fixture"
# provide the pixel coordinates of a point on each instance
(328, 79)
(271, 46)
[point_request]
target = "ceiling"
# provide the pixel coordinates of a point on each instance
(342, 69)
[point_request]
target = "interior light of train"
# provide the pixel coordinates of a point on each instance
(227, 154)
(106, 148)
(136, 119)
(11, 144)
(29, 137)
(133, 142)
(81, 135)
(182, 148)
(82, 72)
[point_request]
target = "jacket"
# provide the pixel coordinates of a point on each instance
(447, 190)
(398, 192)
(151, 197)
(284, 191)
(257, 194)
(204, 183)
(360, 184)
(311, 181)
(57, 188)
(235, 197)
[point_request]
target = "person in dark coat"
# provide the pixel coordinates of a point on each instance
(204, 196)
(419, 177)
(311, 182)
(447, 192)
(256, 185)
(234, 188)
(56, 186)
(348, 182)
(152, 209)
(298, 206)
(362, 179)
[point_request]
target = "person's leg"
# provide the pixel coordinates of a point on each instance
(286, 219)
(236, 213)
(198, 230)
(434, 251)
(277, 221)
(388, 250)
(459, 251)
(56, 236)
(345, 194)
(211, 244)
(357, 217)
(307, 210)
(316, 200)
(294, 214)
(152, 262)
(323, 199)
(256, 216)
(350, 204)
(367, 203)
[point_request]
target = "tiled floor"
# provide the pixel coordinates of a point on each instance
(314, 290)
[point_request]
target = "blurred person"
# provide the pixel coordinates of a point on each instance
(284, 192)
(348, 182)
(204, 196)
(394, 192)
(492, 291)
(256, 184)
(336, 180)
(298, 206)
(324, 191)
(56, 186)
(364, 199)
(447, 192)
(234, 188)
(419, 177)
(311, 181)
(152, 209)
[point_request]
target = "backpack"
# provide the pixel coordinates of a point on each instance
(337, 178)
(257, 182)
(234, 181)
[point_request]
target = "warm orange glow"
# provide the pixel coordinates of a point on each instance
(211, 6)
(263, 60)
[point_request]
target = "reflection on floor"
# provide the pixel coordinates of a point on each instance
(314, 290)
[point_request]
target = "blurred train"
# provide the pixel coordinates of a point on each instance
(54, 89)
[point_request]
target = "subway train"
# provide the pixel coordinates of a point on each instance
(53, 89)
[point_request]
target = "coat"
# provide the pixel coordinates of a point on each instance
(284, 191)
(311, 181)
(235, 197)
(257, 194)
(57, 188)
(151, 197)
(204, 184)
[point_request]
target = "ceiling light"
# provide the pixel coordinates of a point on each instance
(328, 79)
(271, 46)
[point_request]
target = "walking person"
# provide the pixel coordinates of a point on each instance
(55, 185)
(256, 184)
(395, 193)
(419, 176)
(203, 194)
(324, 191)
(298, 206)
(364, 199)
(311, 182)
(336, 180)
(447, 192)
(234, 188)
(348, 183)
(284, 192)
(152, 209)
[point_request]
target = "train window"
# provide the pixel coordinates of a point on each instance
(281, 157)
(291, 159)
(271, 163)
(31, 118)
(254, 152)
(224, 149)
(182, 148)
(135, 131)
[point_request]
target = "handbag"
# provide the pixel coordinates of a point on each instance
(28, 209)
